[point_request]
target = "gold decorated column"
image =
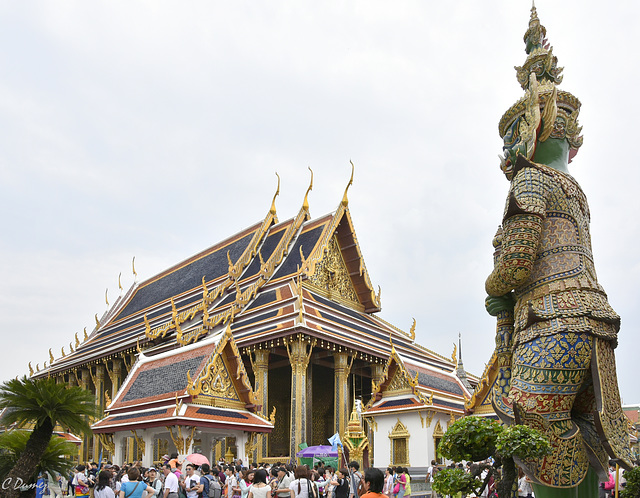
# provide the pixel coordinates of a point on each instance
(116, 378)
(82, 375)
(261, 375)
(299, 349)
(341, 369)
(98, 384)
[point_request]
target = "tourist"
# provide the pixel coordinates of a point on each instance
(260, 488)
(231, 482)
(103, 485)
(388, 481)
(80, 482)
(328, 486)
(341, 483)
(407, 486)
(246, 479)
(283, 483)
(400, 483)
(135, 488)
(301, 486)
(191, 482)
(170, 482)
(354, 478)
(374, 481)
(154, 482)
(524, 486)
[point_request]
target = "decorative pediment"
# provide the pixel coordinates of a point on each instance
(331, 277)
(223, 382)
(396, 380)
(399, 430)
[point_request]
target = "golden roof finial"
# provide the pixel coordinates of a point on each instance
(138, 346)
(120, 282)
(412, 332)
(37, 367)
(133, 267)
(77, 340)
(97, 321)
(30, 369)
(62, 351)
(305, 204)
(50, 356)
(70, 348)
(273, 202)
(85, 331)
(106, 296)
(345, 200)
(272, 417)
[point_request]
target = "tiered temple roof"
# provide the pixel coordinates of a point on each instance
(301, 277)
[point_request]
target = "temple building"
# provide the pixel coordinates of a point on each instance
(257, 345)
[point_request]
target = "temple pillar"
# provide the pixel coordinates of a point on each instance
(118, 448)
(82, 375)
(341, 369)
(299, 357)
(98, 381)
(116, 377)
(148, 438)
(261, 375)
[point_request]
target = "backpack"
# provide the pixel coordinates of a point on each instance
(215, 488)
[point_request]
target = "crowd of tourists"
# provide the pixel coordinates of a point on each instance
(181, 479)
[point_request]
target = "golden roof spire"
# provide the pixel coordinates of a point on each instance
(106, 296)
(273, 203)
(305, 204)
(120, 282)
(345, 201)
(133, 267)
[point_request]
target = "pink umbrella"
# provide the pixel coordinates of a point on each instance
(197, 459)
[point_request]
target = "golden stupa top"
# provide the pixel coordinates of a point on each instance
(539, 76)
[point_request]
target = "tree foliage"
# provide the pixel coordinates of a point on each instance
(44, 403)
(478, 438)
(522, 442)
(470, 438)
(451, 481)
(57, 457)
(632, 489)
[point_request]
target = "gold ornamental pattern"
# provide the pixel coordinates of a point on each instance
(331, 275)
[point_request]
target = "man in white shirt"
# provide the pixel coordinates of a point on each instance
(192, 484)
(170, 482)
(231, 481)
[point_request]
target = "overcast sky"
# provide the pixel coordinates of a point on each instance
(154, 129)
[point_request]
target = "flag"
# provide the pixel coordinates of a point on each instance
(335, 441)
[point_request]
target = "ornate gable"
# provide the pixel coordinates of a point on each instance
(223, 382)
(331, 277)
(396, 380)
(480, 402)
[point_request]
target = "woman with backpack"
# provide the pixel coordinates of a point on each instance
(341, 483)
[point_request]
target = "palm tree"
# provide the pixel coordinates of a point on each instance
(46, 404)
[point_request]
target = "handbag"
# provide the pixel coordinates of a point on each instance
(396, 488)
